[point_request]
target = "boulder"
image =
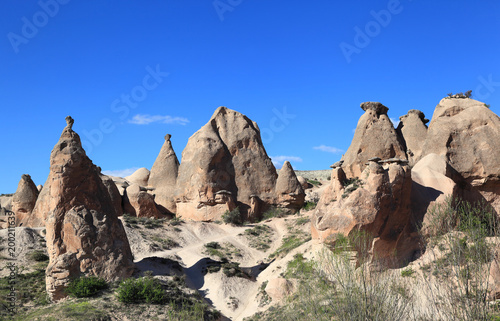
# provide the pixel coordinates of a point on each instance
(138, 202)
(289, 192)
(139, 177)
(163, 176)
(377, 204)
(225, 154)
(279, 289)
(303, 182)
(467, 134)
(412, 128)
(375, 136)
(24, 199)
(83, 233)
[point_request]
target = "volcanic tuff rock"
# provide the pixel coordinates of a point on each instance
(163, 176)
(83, 232)
(225, 154)
(24, 199)
(116, 198)
(378, 204)
(413, 130)
(467, 133)
(289, 191)
(375, 136)
(138, 202)
(139, 177)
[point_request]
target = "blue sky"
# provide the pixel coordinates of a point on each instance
(130, 72)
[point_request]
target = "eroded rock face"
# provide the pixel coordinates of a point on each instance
(414, 132)
(375, 136)
(116, 198)
(138, 202)
(83, 232)
(24, 199)
(163, 176)
(377, 204)
(467, 134)
(289, 191)
(225, 154)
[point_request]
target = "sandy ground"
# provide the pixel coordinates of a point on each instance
(235, 297)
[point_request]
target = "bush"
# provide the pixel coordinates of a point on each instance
(84, 287)
(309, 206)
(143, 290)
(232, 217)
(38, 256)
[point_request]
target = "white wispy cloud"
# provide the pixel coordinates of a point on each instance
(120, 172)
(328, 149)
(146, 119)
(279, 160)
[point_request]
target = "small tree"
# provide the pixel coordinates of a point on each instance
(232, 217)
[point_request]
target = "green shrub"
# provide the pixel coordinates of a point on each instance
(84, 287)
(143, 290)
(309, 206)
(407, 272)
(232, 217)
(38, 256)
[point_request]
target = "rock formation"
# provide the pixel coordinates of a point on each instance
(139, 177)
(413, 130)
(24, 199)
(138, 202)
(225, 154)
(375, 136)
(289, 191)
(116, 198)
(378, 204)
(303, 182)
(83, 232)
(467, 134)
(163, 176)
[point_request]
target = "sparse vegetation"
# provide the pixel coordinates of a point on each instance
(314, 182)
(232, 217)
(309, 206)
(147, 222)
(294, 239)
(166, 243)
(259, 237)
(408, 272)
(467, 94)
(84, 287)
(350, 185)
(38, 256)
(273, 211)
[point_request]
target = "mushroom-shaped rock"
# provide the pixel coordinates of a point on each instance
(337, 164)
(375, 136)
(139, 177)
(289, 191)
(378, 204)
(467, 134)
(84, 235)
(163, 176)
(24, 199)
(138, 202)
(225, 154)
